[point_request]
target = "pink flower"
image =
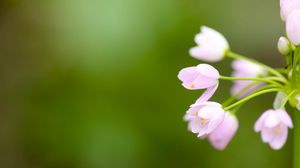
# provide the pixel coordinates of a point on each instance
(203, 76)
(273, 125)
(293, 27)
(204, 117)
(223, 134)
(245, 69)
(212, 45)
(287, 7)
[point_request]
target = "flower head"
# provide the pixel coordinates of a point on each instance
(273, 125)
(287, 7)
(242, 68)
(204, 117)
(293, 27)
(223, 134)
(212, 45)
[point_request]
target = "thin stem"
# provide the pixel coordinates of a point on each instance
(250, 97)
(267, 68)
(287, 99)
(282, 70)
(236, 109)
(278, 79)
(251, 79)
(296, 139)
(234, 97)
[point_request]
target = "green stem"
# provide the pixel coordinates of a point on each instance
(251, 79)
(250, 97)
(296, 139)
(236, 96)
(267, 68)
(287, 99)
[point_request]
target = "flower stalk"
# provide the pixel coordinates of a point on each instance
(296, 148)
(267, 68)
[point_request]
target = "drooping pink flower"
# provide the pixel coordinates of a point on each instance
(223, 134)
(212, 45)
(293, 27)
(287, 7)
(245, 69)
(203, 76)
(204, 117)
(273, 125)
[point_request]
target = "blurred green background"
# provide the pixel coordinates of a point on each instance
(93, 83)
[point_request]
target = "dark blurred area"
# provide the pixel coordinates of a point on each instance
(93, 83)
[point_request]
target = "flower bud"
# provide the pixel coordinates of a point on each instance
(293, 27)
(283, 46)
(211, 45)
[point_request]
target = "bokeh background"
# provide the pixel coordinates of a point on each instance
(93, 83)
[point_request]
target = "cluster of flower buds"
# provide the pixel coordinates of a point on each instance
(218, 122)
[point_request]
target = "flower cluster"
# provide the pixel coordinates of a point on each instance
(218, 122)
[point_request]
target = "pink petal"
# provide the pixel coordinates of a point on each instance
(293, 27)
(208, 71)
(267, 135)
(203, 131)
(285, 118)
(260, 122)
(215, 122)
(208, 93)
(202, 82)
(187, 76)
(280, 139)
(209, 112)
(208, 103)
(206, 53)
(223, 134)
(195, 125)
(272, 121)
